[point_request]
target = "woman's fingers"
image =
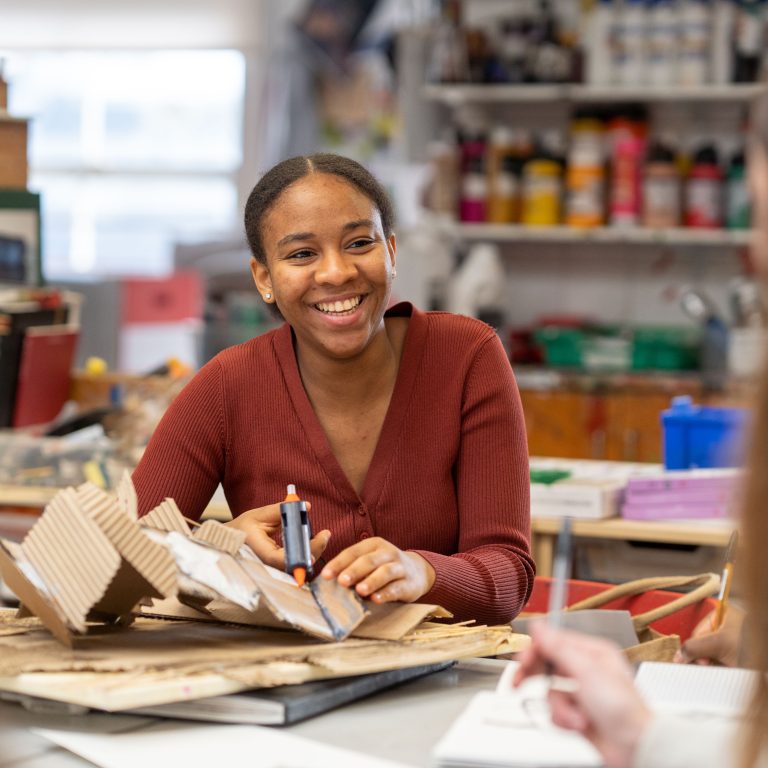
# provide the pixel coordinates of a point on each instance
(268, 516)
(364, 567)
(379, 570)
(379, 578)
(318, 544)
(346, 557)
(265, 547)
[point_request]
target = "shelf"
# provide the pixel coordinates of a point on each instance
(708, 238)
(454, 95)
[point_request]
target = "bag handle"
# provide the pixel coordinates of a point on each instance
(707, 584)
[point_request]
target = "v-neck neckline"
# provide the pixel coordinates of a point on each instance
(376, 474)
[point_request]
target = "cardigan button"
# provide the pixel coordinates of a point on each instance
(362, 511)
(364, 535)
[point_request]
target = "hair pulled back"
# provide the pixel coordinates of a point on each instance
(275, 181)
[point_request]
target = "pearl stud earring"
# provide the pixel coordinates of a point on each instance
(267, 296)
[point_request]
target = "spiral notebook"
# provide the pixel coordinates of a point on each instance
(691, 689)
(512, 728)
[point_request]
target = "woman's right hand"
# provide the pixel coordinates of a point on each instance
(721, 646)
(605, 707)
(261, 525)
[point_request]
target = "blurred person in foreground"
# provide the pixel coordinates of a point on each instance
(606, 708)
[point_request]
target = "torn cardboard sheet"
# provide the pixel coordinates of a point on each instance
(155, 661)
(89, 559)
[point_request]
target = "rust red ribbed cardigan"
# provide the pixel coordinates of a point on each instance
(448, 479)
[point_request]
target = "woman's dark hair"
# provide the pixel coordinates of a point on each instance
(275, 181)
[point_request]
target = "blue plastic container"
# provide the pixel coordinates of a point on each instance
(697, 436)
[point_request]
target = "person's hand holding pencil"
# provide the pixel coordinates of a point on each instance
(725, 582)
(718, 636)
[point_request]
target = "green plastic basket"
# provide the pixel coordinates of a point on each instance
(666, 349)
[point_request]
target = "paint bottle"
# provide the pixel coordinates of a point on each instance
(542, 191)
(442, 192)
(630, 43)
(474, 191)
(661, 189)
(448, 57)
(626, 141)
(723, 31)
(500, 186)
(504, 192)
(748, 40)
(599, 32)
(585, 177)
(704, 191)
(737, 211)
(695, 19)
(662, 44)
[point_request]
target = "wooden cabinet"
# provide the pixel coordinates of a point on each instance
(565, 424)
(615, 421)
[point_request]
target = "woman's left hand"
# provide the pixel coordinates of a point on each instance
(379, 570)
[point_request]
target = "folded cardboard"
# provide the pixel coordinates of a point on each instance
(89, 559)
(85, 560)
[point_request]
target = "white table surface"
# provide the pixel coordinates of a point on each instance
(401, 724)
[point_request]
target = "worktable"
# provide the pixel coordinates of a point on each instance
(402, 724)
(544, 532)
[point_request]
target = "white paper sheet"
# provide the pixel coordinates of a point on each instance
(690, 689)
(200, 746)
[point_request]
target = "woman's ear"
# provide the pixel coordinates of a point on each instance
(262, 280)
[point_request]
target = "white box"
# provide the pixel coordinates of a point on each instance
(593, 490)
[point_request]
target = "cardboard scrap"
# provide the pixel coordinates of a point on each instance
(166, 517)
(391, 621)
(228, 540)
(126, 496)
(156, 661)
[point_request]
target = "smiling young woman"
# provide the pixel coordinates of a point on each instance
(402, 428)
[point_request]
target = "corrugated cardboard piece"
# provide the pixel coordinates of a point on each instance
(89, 559)
(157, 661)
(85, 560)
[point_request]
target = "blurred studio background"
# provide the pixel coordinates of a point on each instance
(572, 172)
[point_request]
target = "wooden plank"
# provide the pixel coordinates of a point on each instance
(702, 534)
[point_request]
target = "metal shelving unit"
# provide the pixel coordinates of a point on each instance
(453, 95)
(678, 237)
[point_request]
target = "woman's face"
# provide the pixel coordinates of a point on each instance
(329, 266)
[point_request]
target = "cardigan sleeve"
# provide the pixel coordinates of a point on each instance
(491, 575)
(184, 459)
